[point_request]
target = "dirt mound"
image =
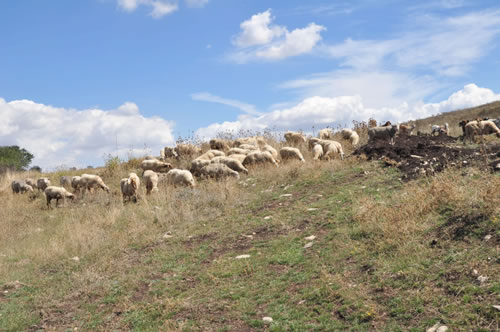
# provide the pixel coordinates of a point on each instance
(427, 155)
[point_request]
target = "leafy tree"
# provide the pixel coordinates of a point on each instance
(14, 158)
(36, 169)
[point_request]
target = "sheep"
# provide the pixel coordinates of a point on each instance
(31, 182)
(383, 133)
(439, 129)
(156, 165)
(42, 183)
(326, 133)
(182, 177)
(288, 153)
(168, 153)
(248, 147)
(197, 164)
(271, 150)
(372, 123)
(65, 181)
(406, 129)
(294, 138)
(19, 186)
(219, 171)
(77, 184)
(233, 164)
(90, 181)
(473, 128)
(239, 157)
(317, 151)
(332, 148)
(150, 179)
(210, 154)
(254, 140)
(187, 150)
(219, 144)
(259, 157)
(129, 187)
(57, 193)
(238, 151)
(350, 135)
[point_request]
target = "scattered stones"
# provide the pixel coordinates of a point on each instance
(267, 319)
(310, 238)
(487, 237)
(242, 257)
(308, 245)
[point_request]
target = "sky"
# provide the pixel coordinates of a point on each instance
(85, 79)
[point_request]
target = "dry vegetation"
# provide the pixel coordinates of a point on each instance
(387, 255)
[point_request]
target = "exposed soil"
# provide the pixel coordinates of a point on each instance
(427, 155)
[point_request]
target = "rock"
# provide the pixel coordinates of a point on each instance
(475, 272)
(267, 217)
(242, 256)
(310, 238)
(286, 195)
(308, 245)
(497, 307)
(482, 279)
(487, 237)
(442, 328)
(76, 259)
(319, 195)
(167, 235)
(433, 328)
(312, 209)
(267, 319)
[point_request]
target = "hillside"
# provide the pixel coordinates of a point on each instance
(331, 246)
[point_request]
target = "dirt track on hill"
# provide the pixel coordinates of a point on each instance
(426, 155)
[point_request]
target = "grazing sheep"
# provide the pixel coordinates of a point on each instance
(42, 183)
(254, 140)
(182, 177)
(271, 150)
(248, 147)
(31, 182)
(239, 157)
(259, 157)
(168, 153)
(129, 187)
(326, 133)
(350, 135)
(77, 184)
(294, 138)
(91, 181)
(187, 150)
(238, 151)
(19, 186)
(317, 152)
(354, 139)
(65, 181)
(233, 164)
(211, 154)
(331, 149)
(406, 129)
(57, 193)
(387, 132)
(473, 128)
(150, 179)
(219, 144)
(156, 165)
(218, 171)
(439, 129)
(288, 153)
(197, 164)
(462, 124)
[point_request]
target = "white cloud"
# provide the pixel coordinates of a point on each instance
(159, 8)
(447, 46)
(59, 136)
(196, 3)
(205, 96)
(260, 38)
(333, 111)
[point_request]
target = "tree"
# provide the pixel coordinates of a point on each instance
(14, 158)
(36, 169)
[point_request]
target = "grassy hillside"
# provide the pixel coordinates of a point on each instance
(386, 255)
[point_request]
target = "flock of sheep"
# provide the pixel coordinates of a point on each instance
(229, 158)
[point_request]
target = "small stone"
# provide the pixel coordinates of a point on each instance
(433, 328)
(319, 195)
(363, 187)
(308, 245)
(267, 319)
(302, 302)
(312, 209)
(286, 195)
(487, 237)
(242, 256)
(482, 279)
(248, 236)
(442, 328)
(475, 272)
(310, 238)
(267, 217)
(497, 307)
(76, 259)
(167, 235)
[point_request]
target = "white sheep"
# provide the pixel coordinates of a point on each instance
(259, 157)
(91, 181)
(77, 184)
(351, 135)
(331, 149)
(42, 183)
(294, 138)
(270, 149)
(440, 129)
(485, 127)
(406, 129)
(65, 181)
(182, 177)
(168, 152)
(19, 186)
(31, 182)
(326, 133)
(156, 165)
(317, 152)
(219, 144)
(210, 154)
(219, 171)
(254, 140)
(232, 163)
(150, 179)
(129, 187)
(248, 147)
(384, 132)
(187, 150)
(238, 151)
(197, 164)
(239, 157)
(57, 193)
(289, 153)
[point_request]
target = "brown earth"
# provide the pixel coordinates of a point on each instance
(427, 155)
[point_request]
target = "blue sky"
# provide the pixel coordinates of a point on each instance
(84, 78)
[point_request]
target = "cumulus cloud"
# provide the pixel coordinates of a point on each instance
(60, 136)
(159, 8)
(260, 39)
(320, 112)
